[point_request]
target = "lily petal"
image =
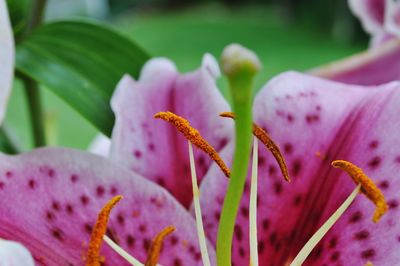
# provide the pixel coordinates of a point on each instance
(371, 13)
(14, 254)
(6, 57)
(315, 121)
(49, 200)
(141, 142)
(392, 17)
(378, 65)
(100, 145)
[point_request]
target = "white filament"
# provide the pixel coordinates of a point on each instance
(314, 240)
(253, 207)
(122, 252)
(197, 210)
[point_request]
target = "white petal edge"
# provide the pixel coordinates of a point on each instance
(14, 254)
(100, 145)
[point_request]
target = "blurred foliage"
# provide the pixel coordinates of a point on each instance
(333, 16)
(19, 15)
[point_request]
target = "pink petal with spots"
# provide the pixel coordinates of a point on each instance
(7, 58)
(49, 200)
(378, 65)
(152, 147)
(14, 254)
(371, 13)
(308, 116)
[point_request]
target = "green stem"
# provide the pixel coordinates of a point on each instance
(38, 8)
(31, 86)
(243, 124)
(35, 111)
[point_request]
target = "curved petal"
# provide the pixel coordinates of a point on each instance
(378, 65)
(100, 145)
(14, 254)
(371, 13)
(140, 142)
(392, 17)
(49, 200)
(6, 57)
(315, 121)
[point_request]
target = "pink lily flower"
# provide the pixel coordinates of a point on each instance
(49, 198)
(295, 109)
(316, 121)
(380, 63)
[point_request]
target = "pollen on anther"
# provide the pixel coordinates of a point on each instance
(263, 136)
(368, 187)
(194, 137)
(100, 228)
(156, 246)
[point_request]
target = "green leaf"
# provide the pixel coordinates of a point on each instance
(19, 15)
(82, 63)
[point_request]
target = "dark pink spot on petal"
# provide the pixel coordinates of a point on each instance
(74, 178)
(355, 217)
(361, 235)
(374, 162)
(288, 148)
(384, 184)
(9, 174)
(137, 154)
(32, 183)
(84, 200)
(368, 253)
(100, 191)
(373, 144)
(130, 241)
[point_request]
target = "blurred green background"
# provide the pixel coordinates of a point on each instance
(289, 34)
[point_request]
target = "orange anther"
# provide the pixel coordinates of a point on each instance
(156, 245)
(93, 257)
(368, 187)
(193, 136)
(263, 136)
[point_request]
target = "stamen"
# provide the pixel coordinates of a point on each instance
(314, 240)
(263, 136)
(99, 230)
(120, 251)
(156, 245)
(368, 187)
(197, 210)
(253, 207)
(193, 136)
